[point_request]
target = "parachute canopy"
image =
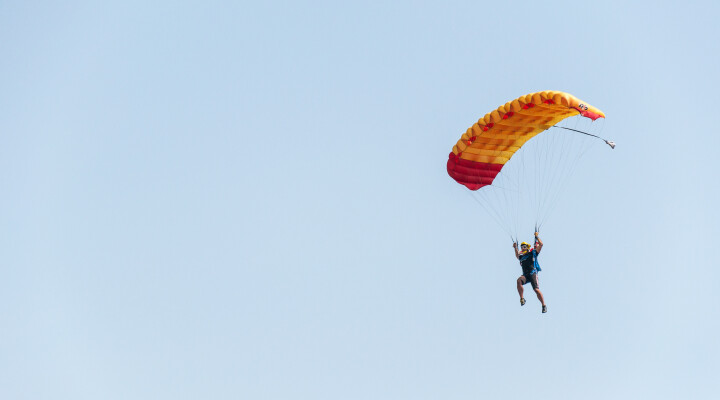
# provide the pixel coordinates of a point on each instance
(484, 149)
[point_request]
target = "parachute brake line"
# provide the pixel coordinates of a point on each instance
(608, 142)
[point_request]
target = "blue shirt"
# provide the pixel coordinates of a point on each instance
(528, 262)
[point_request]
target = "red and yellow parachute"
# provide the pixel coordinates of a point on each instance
(528, 186)
(484, 149)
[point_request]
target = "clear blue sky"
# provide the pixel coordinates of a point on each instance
(234, 200)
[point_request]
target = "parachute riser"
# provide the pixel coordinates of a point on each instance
(608, 142)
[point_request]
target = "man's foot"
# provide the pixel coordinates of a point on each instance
(522, 301)
(544, 309)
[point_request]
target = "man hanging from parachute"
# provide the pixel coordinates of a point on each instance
(478, 161)
(530, 269)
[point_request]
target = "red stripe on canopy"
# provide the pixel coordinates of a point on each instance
(472, 174)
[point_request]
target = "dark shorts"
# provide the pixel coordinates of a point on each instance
(533, 280)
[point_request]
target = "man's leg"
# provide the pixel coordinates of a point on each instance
(520, 282)
(535, 282)
(540, 296)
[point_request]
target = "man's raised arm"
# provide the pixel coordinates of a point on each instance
(538, 243)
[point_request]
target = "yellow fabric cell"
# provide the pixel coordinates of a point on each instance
(484, 159)
(486, 152)
(498, 147)
(498, 142)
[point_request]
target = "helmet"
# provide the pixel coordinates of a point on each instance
(524, 244)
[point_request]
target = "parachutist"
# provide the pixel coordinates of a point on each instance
(489, 159)
(531, 268)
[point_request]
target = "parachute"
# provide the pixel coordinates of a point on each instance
(511, 175)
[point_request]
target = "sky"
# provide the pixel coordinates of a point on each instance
(249, 200)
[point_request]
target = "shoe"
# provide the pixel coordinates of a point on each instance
(544, 309)
(522, 301)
